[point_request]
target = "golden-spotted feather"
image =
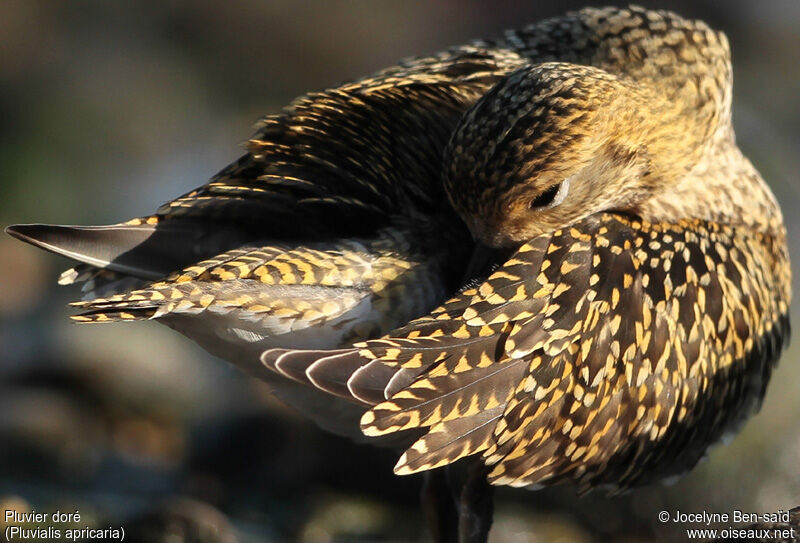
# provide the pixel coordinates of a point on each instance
(363, 149)
(638, 319)
(348, 290)
(620, 378)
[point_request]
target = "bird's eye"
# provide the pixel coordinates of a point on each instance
(552, 196)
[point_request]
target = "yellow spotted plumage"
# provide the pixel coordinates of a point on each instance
(627, 316)
(593, 380)
(630, 328)
(239, 281)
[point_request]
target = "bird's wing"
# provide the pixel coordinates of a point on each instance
(283, 289)
(334, 164)
(587, 347)
(345, 158)
(160, 247)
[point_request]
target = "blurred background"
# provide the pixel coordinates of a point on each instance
(110, 108)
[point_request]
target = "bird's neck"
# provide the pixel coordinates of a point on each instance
(696, 170)
(723, 186)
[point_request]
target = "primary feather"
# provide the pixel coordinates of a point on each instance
(631, 317)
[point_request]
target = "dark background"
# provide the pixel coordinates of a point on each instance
(107, 109)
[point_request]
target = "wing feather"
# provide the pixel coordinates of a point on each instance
(611, 352)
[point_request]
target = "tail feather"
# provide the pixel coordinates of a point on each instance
(115, 315)
(98, 246)
(294, 363)
(115, 309)
(100, 283)
(341, 372)
(77, 274)
(449, 441)
(373, 382)
(440, 396)
(332, 373)
(147, 248)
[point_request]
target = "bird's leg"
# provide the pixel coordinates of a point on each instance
(439, 507)
(476, 506)
(458, 503)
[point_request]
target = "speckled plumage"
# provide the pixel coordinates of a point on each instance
(612, 348)
(636, 321)
(580, 378)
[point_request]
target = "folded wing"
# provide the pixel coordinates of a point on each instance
(590, 355)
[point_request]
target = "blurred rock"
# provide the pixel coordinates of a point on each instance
(515, 525)
(180, 520)
(342, 518)
(46, 434)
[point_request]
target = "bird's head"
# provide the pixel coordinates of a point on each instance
(551, 144)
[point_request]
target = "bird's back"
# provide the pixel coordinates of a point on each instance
(613, 348)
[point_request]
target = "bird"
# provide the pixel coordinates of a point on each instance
(529, 260)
